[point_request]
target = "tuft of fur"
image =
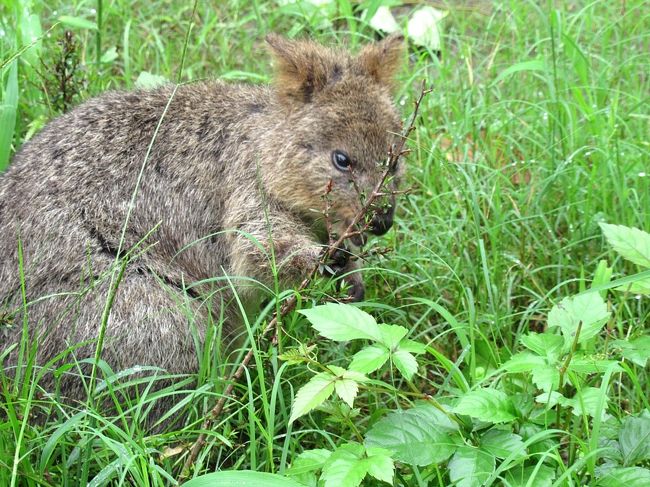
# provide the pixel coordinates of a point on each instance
(235, 174)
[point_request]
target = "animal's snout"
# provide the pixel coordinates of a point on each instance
(383, 220)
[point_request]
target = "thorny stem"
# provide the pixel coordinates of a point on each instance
(394, 154)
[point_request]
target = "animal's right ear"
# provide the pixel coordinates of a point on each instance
(301, 68)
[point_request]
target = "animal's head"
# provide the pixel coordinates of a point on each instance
(340, 122)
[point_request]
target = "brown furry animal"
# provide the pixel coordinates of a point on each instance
(231, 179)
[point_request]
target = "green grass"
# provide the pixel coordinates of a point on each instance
(536, 131)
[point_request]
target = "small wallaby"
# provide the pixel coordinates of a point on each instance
(230, 181)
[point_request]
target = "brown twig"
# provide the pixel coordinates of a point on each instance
(394, 154)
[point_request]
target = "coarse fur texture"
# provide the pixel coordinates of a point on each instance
(234, 181)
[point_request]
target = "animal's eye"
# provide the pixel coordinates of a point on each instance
(341, 160)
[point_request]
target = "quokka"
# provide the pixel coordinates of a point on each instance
(232, 179)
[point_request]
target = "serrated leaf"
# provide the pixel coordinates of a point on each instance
(589, 309)
(391, 335)
(78, 22)
(470, 467)
(634, 440)
(347, 390)
(547, 345)
(524, 362)
(630, 243)
(308, 461)
(312, 394)
(370, 358)
(625, 477)
(238, 478)
(586, 402)
(546, 377)
(490, 405)
(343, 322)
(502, 444)
(592, 365)
(636, 350)
(642, 286)
(534, 475)
(412, 346)
(419, 436)
(551, 398)
(380, 464)
(345, 467)
(405, 363)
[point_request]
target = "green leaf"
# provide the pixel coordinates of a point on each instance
(642, 286)
(312, 394)
(524, 362)
(546, 377)
(535, 475)
(634, 440)
(380, 464)
(405, 363)
(308, 461)
(533, 65)
(370, 358)
(110, 55)
(636, 350)
(77, 22)
(239, 478)
(148, 81)
(626, 477)
(502, 444)
(419, 436)
(347, 390)
(470, 467)
(412, 346)
(630, 243)
(343, 322)
(591, 365)
(489, 405)
(547, 345)
(586, 402)
(8, 110)
(551, 398)
(345, 467)
(391, 335)
(589, 309)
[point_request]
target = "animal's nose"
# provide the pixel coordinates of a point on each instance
(383, 220)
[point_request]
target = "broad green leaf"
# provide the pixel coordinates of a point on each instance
(370, 358)
(405, 363)
(489, 405)
(78, 22)
(524, 362)
(551, 398)
(345, 467)
(312, 394)
(380, 464)
(239, 478)
(589, 309)
(636, 350)
(308, 461)
(547, 345)
(630, 243)
(625, 477)
(419, 436)
(591, 365)
(470, 467)
(586, 402)
(343, 322)
(148, 81)
(391, 335)
(412, 346)
(502, 444)
(546, 377)
(642, 286)
(347, 390)
(534, 476)
(634, 440)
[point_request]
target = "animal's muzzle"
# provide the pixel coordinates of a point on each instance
(383, 220)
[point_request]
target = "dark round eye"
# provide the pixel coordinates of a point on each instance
(341, 160)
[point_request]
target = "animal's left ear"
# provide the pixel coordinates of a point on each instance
(382, 60)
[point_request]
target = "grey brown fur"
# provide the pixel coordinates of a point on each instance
(234, 173)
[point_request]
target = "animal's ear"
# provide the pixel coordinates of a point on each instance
(302, 67)
(382, 60)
